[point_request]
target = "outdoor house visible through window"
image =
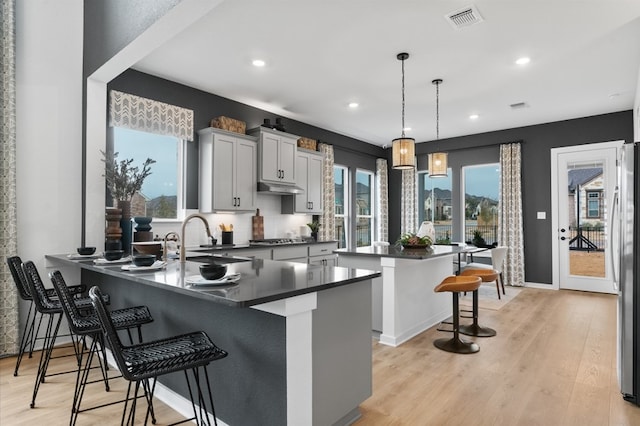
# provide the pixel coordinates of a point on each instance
(481, 200)
(144, 128)
(434, 204)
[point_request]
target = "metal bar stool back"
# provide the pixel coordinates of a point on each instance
(88, 325)
(140, 362)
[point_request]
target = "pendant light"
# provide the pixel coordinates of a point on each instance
(403, 149)
(438, 160)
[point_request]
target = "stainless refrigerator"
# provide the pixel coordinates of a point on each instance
(628, 249)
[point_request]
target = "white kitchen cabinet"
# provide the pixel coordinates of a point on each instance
(276, 155)
(227, 171)
(322, 254)
(295, 253)
(309, 178)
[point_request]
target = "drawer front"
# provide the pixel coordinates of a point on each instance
(322, 249)
(255, 253)
(285, 253)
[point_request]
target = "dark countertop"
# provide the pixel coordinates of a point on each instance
(400, 253)
(254, 246)
(261, 281)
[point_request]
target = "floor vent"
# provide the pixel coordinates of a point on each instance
(464, 17)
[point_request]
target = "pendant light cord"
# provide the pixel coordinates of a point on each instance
(403, 98)
(437, 111)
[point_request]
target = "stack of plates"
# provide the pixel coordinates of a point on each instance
(199, 280)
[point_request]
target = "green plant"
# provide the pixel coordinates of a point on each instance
(123, 181)
(314, 226)
(413, 240)
(478, 240)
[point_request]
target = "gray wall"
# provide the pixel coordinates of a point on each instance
(536, 173)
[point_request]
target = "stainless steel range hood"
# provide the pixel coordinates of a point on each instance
(279, 188)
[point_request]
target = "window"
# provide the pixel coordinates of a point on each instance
(162, 191)
(481, 187)
(593, 204)
(434, 204)
(342, 208)
(364, 208)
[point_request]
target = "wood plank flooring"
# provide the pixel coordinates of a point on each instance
(553, 362)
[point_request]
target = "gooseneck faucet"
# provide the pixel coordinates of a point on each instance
(183, 248)
(166, 237)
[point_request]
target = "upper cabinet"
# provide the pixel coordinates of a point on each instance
(228, 164)
(276, 155)
(309, 178)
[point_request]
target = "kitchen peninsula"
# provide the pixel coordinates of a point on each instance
(298, 335)
(404, 303)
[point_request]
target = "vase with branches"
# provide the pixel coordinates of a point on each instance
(123, 179)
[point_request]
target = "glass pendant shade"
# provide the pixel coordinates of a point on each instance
(404, 153)
(438, 164)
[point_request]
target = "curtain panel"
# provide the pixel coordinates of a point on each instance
(409, 206)
(327, 219)
(510, 226)
(147, 115)
(9, 323)
(382, 183)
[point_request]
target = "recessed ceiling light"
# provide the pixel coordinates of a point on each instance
(354, 105)
(258, 63)
(474, 116)
(523, 61)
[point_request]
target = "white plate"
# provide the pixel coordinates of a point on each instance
(133, 268)
(83, 256)
(198, 280)
(103, 261)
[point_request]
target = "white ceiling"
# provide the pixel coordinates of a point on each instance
(321, 55)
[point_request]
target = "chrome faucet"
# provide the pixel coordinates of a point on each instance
(165, 251)
(183, 248)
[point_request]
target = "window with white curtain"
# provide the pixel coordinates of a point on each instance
(365, 207)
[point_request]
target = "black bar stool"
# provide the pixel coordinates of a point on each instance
(52, 309)
(475, 329)
(30, 332)
(141, 362)
(457, 284)
(88, 325)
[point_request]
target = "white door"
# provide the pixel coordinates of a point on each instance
(584, 182)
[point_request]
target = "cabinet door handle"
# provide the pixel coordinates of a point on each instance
(311, 203)
(238, 205)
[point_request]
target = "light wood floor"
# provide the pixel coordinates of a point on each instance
(552, 363)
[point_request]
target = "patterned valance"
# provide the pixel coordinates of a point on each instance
(147, 115)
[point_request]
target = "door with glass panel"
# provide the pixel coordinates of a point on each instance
(585, 186)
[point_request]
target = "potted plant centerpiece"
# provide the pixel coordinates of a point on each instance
(413, 241)
(123, 181)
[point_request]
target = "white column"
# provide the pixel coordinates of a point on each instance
(298, 313)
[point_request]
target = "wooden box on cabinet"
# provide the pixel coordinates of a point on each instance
(229, 124)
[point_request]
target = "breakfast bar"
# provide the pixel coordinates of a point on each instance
(298, 335)
(404, 303)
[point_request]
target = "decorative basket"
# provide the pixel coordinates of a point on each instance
(229, 124)
(307, 143)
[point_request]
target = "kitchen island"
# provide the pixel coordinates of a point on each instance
(404, 303)
(298, 335)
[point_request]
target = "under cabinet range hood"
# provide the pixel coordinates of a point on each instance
(279, 188)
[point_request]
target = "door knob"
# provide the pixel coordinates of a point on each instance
(562, 230)
(563, 238)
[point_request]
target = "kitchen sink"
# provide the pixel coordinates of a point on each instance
(212, 258)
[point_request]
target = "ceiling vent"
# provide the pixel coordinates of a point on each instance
(518, 105)
(464, 17)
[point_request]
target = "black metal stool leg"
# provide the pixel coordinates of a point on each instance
(476, 329)
(455, 344)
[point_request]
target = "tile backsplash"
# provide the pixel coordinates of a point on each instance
(276, 225)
